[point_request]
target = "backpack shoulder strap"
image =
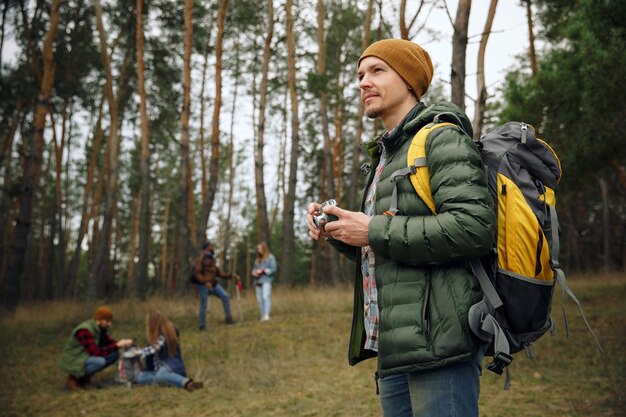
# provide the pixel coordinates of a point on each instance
(416, 169)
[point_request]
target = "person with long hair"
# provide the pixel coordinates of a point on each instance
(263, 272)
(163, 362)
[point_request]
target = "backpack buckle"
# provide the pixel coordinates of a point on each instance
(500, 361)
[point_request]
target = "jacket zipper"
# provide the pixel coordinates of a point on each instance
(425, 314)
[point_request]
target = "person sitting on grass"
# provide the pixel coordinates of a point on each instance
(163, 362)
(90, 349)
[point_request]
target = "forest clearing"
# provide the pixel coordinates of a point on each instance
(296, 364)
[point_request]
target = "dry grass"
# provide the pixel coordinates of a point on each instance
(296, 364)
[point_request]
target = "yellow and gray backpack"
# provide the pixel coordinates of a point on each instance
(518, 278)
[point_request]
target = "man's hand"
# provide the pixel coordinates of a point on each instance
(314, 232)
(124, 343)
(350, 226)
(208, 285)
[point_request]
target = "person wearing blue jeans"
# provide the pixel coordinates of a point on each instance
(162, 358)
(218, 291)
(263, 272)
(447, 391)
(414, 285)
(90, 349)
(95, 364)
(207, 273)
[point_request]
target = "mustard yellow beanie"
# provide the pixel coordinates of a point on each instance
(407, 58)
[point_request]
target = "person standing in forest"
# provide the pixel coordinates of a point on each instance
(207, 273)
(414, 287)
(90, 349)
(263, 272)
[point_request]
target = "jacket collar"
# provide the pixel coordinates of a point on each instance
(391, 140)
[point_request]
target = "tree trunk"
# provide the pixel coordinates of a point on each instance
(215, 131)
(459, 51)
(531, 38)
(6, 198)
(164, 244)
(481, 87)
(144, 210)
(5, 9)
(331, 191)
(183, 209)
(57, 238)
(98, 275)
(286, 274)
(231, 166)
(356, 148)
(88, 198)
(32, 165)
(280, 168)
(135, 218)
(606, 226)
(261, 201)
(321, 73)
(201, 231)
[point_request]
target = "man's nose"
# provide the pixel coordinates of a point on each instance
(365, 82)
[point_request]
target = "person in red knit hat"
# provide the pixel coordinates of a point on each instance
(90, 349)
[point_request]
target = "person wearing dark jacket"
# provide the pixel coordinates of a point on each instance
(413, 282)
(207, 273)
(90, 349)
(162, 358)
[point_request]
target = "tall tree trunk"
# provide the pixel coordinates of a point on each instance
(217, 106)
(135, 219)
(481, 87)
(231, 166)
(144, 211)
(280, 168)
(259, 163)
(164, 244)
(201, 231)
(5, 9)
(6, 198)
(356, 148)
(98, 275)
(459, 51)
(88, 200)
(531, 38)
(290, 199)
(331, 191)
(32, 165)
(183, 210)
(606, 226)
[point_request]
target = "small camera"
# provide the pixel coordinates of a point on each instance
(320, 219)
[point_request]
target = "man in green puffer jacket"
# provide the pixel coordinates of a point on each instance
(413, 282)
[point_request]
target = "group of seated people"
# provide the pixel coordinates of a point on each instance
(90, 349)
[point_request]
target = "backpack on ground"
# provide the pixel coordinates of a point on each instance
(128, 366)
(518, 278)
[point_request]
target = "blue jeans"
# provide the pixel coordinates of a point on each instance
(451, 391)
(163, 376)
(217, 291)
(264, 297)
(95, 364)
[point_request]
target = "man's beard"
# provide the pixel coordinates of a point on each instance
(374, 112)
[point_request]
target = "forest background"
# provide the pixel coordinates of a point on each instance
(133, 131)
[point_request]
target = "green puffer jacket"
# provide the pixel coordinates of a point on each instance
(425, 286)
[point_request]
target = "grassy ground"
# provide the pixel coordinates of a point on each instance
(296, 364)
